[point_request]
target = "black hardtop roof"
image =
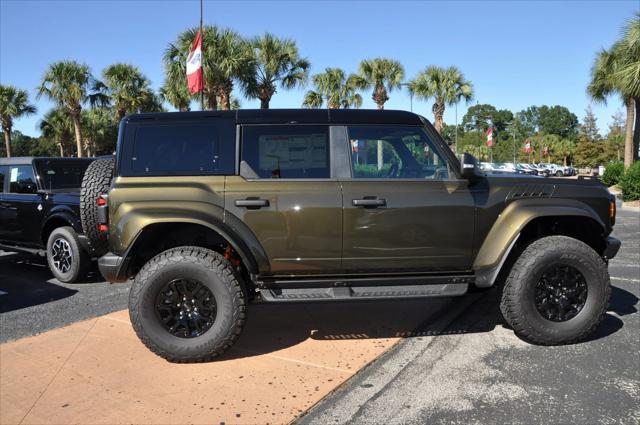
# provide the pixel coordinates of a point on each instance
(26, 160)
(293, 116)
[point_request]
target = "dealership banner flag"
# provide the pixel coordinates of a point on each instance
(194, 66)
(527, 146)
(490, 137)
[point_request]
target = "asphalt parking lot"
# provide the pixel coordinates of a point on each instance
(458, 364)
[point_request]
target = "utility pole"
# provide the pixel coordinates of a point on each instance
(513, 129)
(201, 56)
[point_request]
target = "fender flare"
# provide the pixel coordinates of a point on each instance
(134, 221)
(507, 228)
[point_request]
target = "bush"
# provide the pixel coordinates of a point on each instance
(629, 183)
(612, 173)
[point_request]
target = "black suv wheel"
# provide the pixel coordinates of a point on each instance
(557, 291)
(67, 260)
(187, 305)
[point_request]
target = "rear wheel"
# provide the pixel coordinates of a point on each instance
(559, 173)
(96, 181)
(67, 260)
(557, 292)
(187, 305)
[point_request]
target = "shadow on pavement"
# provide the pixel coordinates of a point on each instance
(273, 327)
(27, 282)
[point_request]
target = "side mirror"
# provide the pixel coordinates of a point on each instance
(469, 168)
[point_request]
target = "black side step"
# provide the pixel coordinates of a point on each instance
(364, 292)
(23, 250)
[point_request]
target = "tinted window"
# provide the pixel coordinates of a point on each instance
(288, 152)
(394, 153)
(2, 171)
(60, 175)
(21, 179)
(184, 148)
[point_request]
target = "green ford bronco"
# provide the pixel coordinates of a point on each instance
(210, 211)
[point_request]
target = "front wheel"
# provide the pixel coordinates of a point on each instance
(559, 174)
(67, 260)
(187, 305)
(557, 292)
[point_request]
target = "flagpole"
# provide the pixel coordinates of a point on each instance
(201, 55)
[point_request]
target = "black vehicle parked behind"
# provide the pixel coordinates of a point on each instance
(39, 212)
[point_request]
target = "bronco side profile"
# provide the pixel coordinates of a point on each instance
(210, 211)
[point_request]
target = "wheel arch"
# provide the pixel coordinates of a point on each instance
(521, 223)
(55, 220)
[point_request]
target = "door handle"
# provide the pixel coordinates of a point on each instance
(250, 203)
(369, 202)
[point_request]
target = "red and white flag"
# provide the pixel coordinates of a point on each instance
(527, 146)
(194, 66)
(490, 137)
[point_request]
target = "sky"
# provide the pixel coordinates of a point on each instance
(516, 53)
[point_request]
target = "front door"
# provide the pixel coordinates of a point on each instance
(21, 207)
(404, 209)
(286, 196)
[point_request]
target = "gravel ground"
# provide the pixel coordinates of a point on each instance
(477, 371)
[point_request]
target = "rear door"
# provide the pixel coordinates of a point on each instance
(22, 208)
(404, 209)
(286, 194)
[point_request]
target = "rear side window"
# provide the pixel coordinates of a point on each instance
(287, 152)
(179, 148)
(22, 180)
(2, 171)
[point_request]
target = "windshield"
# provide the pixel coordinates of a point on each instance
(60, 174)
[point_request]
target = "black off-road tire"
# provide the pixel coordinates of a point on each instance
(96, 181)
(80, 260)
(518, 305)
(214, 272)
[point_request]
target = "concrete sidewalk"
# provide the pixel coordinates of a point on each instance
(288, 358)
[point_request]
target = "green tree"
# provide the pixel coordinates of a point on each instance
(57, 126)
(589, 127)
(482, 116)
(275, 62)
(14, 103)
(176, 93)
(128, 90)
(617, 71)
(446, 86)
(226, 57)
(548, 120)
(615, 137)
(335, 88)
(101, 131)
(69, 84)
(383, 75)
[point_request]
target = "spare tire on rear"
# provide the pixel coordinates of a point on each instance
(96, 181)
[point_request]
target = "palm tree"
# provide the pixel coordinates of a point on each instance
(101, 132)
(384, 75)
(225, 58)
(58, 126)
(176, 93)
(617, 71)
(275, 61)
(127, 88)
(14, 103)
(334, 87)
(446, 86)
(69, 84)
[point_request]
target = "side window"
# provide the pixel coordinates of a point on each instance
(179, 148)
(2, 171)
(286, 151)
(21, 179)
(398, 152)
